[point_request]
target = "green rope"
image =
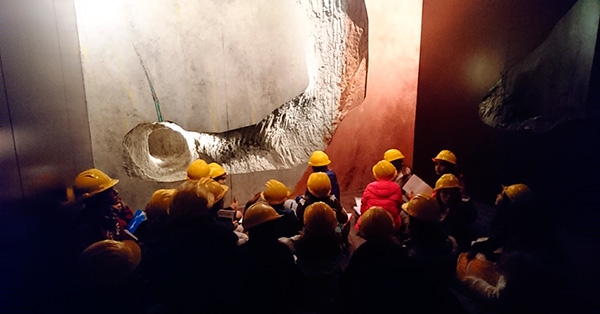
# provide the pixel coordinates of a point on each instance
(156, 102)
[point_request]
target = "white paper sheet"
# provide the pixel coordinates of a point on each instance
(416, 186)
(357, 200)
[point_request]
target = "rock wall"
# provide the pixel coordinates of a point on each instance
(551, 84)
(131, 143)
(287, 136)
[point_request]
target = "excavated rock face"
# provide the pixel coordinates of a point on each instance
(337, 65)
(551, 84)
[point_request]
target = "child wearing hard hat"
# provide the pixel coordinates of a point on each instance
(433, 253)
(397, 159)
(218, 174)
(383, 192)
(319, 189)
(319, 161)
(194, 258)
(157, 212)
(458, 214)
(104, 215)
(276, 194)
(517, 267)
(269, 274)
(319, 252)
(197, 170)
(393, 277)
(446, 162)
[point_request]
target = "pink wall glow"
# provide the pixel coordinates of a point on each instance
(386, 119)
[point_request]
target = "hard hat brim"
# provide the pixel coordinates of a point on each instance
(321, 164)
(112, 183)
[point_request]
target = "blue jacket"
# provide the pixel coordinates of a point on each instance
(335, 186)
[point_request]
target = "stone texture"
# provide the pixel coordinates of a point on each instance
(336, 57)
(386, 117)
(551, 84)
(215, 65)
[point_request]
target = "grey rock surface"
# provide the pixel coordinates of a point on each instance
(287, 136)
(551, 84)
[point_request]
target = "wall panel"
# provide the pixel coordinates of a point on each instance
(44, 93)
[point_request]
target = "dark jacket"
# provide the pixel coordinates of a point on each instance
(289, 225)
(434, 255)
(191, 266)
(380, 272)
(319, 259)
(92, 225)
(459, 221)
(268, 273)
(335, 186)
(308, 199)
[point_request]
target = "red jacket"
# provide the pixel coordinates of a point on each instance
(385, 194)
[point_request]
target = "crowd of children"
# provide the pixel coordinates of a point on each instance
(283, 254)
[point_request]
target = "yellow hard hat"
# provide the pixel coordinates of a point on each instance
(376, 223)
(214, 188)
(318, 184)
(258, 213)
(318, 159)
(319, 218)
(275, 192)
(91, 182)
(384, 170)
(517, 192)
(106, 262)
(447, 181)
(446, 155)
(69, 198)
(193, 196)
(216, 170)
(424, 208)
(392, 154)
(160, 202)
(198, 169)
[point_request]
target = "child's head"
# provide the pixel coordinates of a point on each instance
(159, 206)
(448, 189)
(258, 214)
(377, 224)
(319, 161)
(104, 264)
(384, 171)
(395, 157)
(275, 192)
(217, 173)
(197, 170)
(444, 162)
(96, 188)
(517, 193)
(319, 218)
(193, 198)
(318, 184)
(423, 208)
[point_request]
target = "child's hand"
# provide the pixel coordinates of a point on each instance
(234, 205)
